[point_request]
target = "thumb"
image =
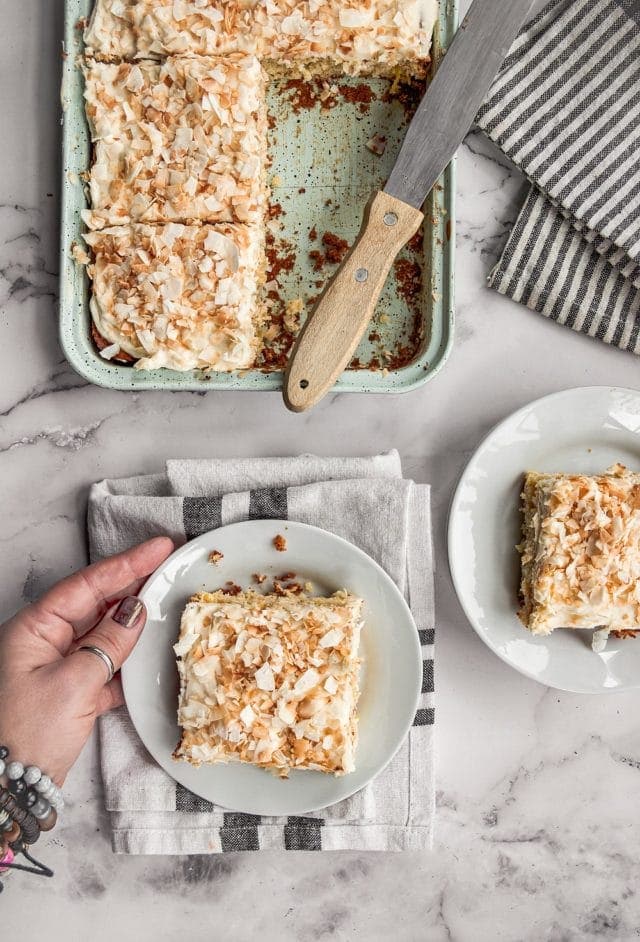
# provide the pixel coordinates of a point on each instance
(116, 635)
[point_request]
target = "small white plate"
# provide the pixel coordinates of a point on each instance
(391, 674)
(578, 430)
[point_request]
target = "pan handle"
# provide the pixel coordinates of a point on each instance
(333, 330)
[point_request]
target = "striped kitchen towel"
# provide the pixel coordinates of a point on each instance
(363, 500)
(565, 108)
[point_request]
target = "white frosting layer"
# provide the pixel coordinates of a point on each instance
(182, 297)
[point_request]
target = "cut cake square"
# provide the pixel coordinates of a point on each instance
(270, 680)
(183, 297)
(580, 553)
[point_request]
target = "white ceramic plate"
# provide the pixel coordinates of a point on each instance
(579, 430)
(391, 673)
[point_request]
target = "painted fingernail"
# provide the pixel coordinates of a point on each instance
(128, 611)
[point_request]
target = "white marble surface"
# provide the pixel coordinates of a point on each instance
(537, 835)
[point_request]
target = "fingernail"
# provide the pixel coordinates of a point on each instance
(128, 611)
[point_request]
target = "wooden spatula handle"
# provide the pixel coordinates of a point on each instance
(333, 330)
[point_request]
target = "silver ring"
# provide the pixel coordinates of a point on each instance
(104, 657)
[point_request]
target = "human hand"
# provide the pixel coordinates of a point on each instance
(51, 692)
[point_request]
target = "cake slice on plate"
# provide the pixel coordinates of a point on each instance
(581, 552)
(270, 680)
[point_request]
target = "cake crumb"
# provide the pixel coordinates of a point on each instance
(216, 557)
(79, 255)
(335, 247)
(280, 543)
(293, 310)
(231, 588)
(259, 577)
(292, 588)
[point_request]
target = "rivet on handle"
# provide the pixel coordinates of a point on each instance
(390, 219)
(361, 274)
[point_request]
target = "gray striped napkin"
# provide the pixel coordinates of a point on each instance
(363, 500)
(565, 108)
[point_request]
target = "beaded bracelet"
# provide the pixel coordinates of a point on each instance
(29, 805)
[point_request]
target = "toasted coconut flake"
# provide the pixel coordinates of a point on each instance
(377, 144)
(79, 254)
(111, 351)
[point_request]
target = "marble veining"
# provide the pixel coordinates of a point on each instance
(537, 838)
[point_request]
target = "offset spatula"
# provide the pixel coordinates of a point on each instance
(333, 330)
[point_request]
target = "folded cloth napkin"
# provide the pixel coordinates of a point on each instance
(565, 108)
(365, 501)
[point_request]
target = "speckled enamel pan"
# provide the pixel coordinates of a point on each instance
(321, 174)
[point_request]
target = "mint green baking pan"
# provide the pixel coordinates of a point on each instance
(324, 168)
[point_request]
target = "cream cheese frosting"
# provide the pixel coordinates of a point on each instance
(270, 680)
(176, 296)
(581, 551)
(179, 141)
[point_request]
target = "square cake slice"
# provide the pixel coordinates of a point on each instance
(182, 297)
(270, 680)
(177, 141)
(581, 551)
